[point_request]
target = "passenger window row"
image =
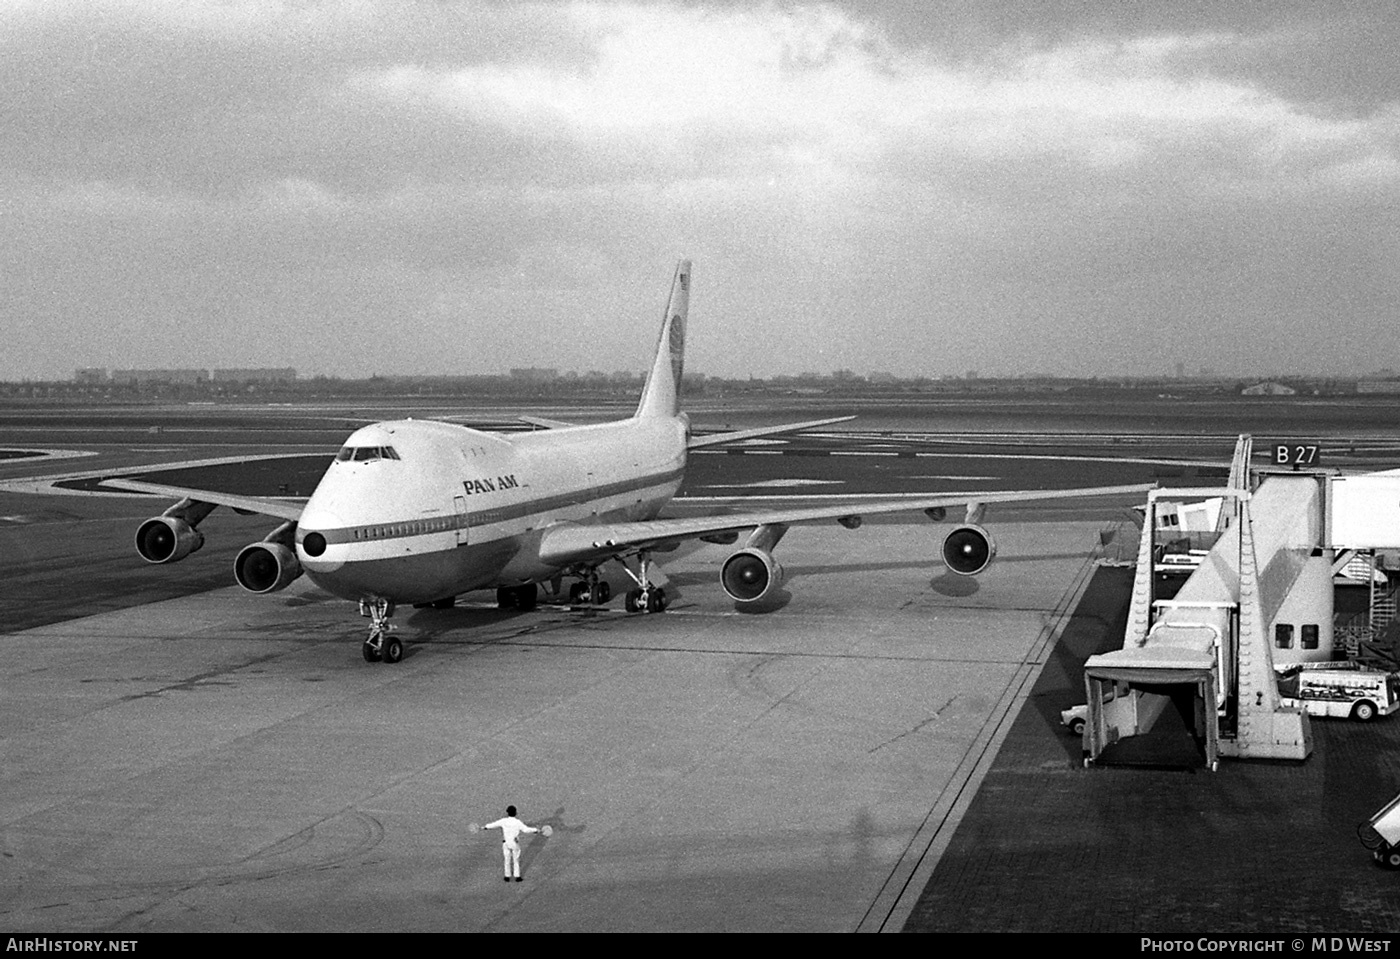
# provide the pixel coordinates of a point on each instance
(437, 524)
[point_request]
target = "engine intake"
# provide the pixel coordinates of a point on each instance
(750, 575)
(266, 567)
(166, 539)
(968, 550)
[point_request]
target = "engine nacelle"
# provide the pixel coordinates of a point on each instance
(266, 567)
(166, 539)
(968, 550)
(750, 575)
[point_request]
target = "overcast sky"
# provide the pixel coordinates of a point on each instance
(920, 187)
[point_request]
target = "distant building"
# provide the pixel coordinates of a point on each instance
(284, 375)
(91, 375)
(180, 377)
(1378, 386)
(534, 374)
(1268, 389)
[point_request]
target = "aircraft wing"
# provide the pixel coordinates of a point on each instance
(578, 543)
(280, 508)
(545, 423)
(715, 439)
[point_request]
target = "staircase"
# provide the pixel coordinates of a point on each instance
(1383, 603)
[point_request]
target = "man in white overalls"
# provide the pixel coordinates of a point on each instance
(510, 828)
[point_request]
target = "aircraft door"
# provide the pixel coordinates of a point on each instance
(459, 504)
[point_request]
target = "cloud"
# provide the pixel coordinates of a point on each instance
(814, 158)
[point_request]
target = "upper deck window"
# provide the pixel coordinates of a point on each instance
(365, 454)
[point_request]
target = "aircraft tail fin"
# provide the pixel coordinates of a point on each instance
(661, 395)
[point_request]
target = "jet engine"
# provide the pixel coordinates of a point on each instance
(968, 550)
(166, 539)
(266, 567)
(750, 575)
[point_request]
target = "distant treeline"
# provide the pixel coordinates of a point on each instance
(596, 385)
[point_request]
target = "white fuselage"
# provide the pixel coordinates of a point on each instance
(415, 511)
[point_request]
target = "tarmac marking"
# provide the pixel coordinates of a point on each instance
(910, 732)
(896, 900)
(28, 453)
(777, 484)
(45, 485)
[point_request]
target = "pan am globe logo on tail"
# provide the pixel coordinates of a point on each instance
(677, 347)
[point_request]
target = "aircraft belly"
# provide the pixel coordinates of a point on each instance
(419, 577)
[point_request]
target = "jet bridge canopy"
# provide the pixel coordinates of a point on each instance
(1131, 688)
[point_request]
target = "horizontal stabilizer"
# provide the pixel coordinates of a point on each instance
(716, 438)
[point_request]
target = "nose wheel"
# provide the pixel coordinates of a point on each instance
(382, 645)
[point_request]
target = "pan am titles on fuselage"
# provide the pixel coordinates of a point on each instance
(420, 511)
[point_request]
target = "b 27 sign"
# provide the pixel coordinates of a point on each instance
(1296, 454)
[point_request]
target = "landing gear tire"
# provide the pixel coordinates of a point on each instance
(584, 594)
(527, 597)
(1392, 859)
(446, 603)
(376, 647)
(646, 600)
(656, 600)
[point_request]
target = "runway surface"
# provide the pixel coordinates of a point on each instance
(181, 755)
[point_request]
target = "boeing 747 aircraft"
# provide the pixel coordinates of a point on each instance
(418, 511)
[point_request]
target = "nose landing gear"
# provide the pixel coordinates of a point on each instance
(381, 646)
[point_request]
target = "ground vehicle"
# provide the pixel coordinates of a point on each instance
(1340, 689)
(1074, 718)
(1381, 834)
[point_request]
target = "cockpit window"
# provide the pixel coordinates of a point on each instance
(365, 454)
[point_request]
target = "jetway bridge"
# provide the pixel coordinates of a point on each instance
(1262, 593)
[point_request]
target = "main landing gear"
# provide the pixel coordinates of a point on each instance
(593, 590)
(523, 598)
(647, 597)
(382, 645)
